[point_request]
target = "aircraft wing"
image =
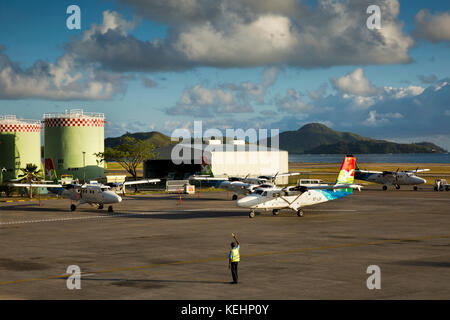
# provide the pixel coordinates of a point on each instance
(370, 172)
(141, 182)
(35, 185)
(287, 174)
(335, 186)
(418, 170)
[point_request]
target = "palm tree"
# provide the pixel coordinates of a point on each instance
(30, 174)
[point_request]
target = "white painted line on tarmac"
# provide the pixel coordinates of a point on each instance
(75, 218)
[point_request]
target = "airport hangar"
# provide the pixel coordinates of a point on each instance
(237, 159)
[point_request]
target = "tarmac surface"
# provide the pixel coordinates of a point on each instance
(153, 247)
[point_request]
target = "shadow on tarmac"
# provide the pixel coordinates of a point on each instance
(182, 215)
(138, 282)
(176, 197)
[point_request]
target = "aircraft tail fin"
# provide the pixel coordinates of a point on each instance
(347, 172)
(50, 171)
(206, 167)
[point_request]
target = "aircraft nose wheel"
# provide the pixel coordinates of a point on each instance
(397, 187)
(251, 214)
(415, 188)
(100, 206)
(234, 197)
(73, 207)
(110, 209)
(300, 213)
(384, 188)
(275, 212)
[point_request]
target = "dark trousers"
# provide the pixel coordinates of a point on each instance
(234, 271)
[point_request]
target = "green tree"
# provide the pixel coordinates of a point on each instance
(30, 174)
(129, 154)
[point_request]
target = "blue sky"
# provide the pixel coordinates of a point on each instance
(156, 65)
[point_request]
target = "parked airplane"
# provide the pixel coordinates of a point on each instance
(388, 178)
(93, 193)
(244, 185)
(297, 197)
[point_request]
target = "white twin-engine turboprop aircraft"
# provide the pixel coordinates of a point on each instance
(297, 197)
(95, 194)
(394, 178)
(244, 185)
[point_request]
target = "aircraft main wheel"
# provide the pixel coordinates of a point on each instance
(300, 213)
(397, 187)
(415, 188)
(251, 214)
(275, 212)
(110, 209)
(234, 197)
(447, 188)
(384, 188)
(100, 206)
(73, 207)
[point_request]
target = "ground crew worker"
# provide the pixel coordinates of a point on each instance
(234, 258)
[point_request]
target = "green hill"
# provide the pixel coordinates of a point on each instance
(156, 138)
(317, 138)
(313, 135)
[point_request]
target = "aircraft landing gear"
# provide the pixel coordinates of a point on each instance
(73, 207)
(110, 209)
(415, 188)
(234, 197)
(397, 187)
(300, 213)
(384, 188)
(251, 214)
(100, 206)
(275, 212)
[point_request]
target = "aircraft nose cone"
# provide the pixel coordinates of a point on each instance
(241, 202)
(420, 180)
(245, 202)
(111, 197)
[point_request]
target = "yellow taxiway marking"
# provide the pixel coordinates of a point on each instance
(214, 259)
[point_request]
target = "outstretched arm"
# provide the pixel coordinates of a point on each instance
(235, 238)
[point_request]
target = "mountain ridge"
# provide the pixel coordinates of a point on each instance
(312, 138)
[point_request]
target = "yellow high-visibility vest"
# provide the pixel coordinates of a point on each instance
(235, 255)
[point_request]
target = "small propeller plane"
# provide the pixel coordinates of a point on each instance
(297, 197)
(395, 178)
(244, 185)
(94, 194)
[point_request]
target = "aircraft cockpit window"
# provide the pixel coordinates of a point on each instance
(259, 192)
(264, 193)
